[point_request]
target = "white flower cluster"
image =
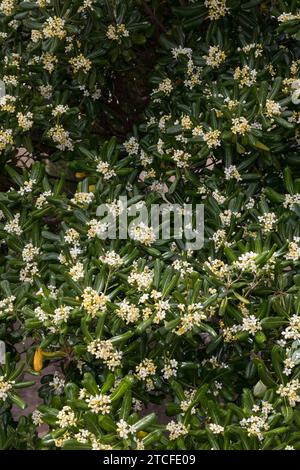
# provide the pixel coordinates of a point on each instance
(128, 312)
(215, 57)
(99, 404)
(61, 138)
(53, 320)
(66, 417)
(116, 33)
(290, 200)
(7, 305)
(30, 252)
(77, 271)
(142, 280)
(176, 430)
(292, 331)
(124, 429)
(54, 28)
(96, 228)
(6, 138)
(112, 259)
(31, 269)
(42, 199)
(290, 391)
(142, 234)
(268, 220)
(93, 302)
(183, 266)
(131, 146)
(13, 227)
(179, 51)
(165, 87)
(245, 76)
(187, 402)
(25, 120)
(284, 17)
(105, 170)
(80, 64)
(37, 417)
(192, 315)
(105, 351)
(216, 428)
(57, 384)
(231, 172)
(7, 7)
(257, 423)
(293, 250)
(5, 387)
(296, 92)
(170, 369)
(145, 372)
(82, 199)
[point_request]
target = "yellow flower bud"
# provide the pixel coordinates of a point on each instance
(80, 174)
(38, 360)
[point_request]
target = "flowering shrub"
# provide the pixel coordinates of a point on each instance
(59, 60)
(210, 336)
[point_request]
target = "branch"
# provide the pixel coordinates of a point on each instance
(154, 18)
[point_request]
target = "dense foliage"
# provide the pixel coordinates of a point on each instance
(152, 346)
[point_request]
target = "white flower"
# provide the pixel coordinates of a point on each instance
(291, 391)
(61, 314)
(293, 250)
(145, 369)
(37, 418)
(57, 383)
(170, 369)
(123, 429)
(231, 172)
(59, 110)
(82, 199)
(246, 261)
(164, 87)
(131, 146)
(77, 271)
(215, 57)
(96, 228)
(111, 258)
(99, 404)
(143, 234)
(104, 350)
(105, 170)
(93, 302)
(185, 51)
(13, 226)
(7, 305)
(216, 428)
(128, 312)
(5, 387)
(268, 220)
(54, 28)
(42, 199)
(116, 33)
(251, 324)
(25, 120)
(142, 280)
(66, 417)
(30, 252)
(176, 430)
